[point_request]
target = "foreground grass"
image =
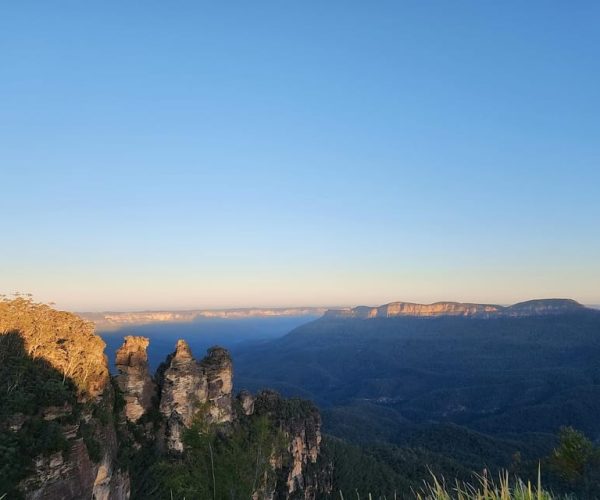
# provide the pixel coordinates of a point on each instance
(483, 488)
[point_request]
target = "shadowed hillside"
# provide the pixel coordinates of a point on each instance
(498, 374)
(479, 390)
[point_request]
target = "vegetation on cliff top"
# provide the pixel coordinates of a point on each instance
(49, 375)
(219, 462)
(67, 342)
(29, 386)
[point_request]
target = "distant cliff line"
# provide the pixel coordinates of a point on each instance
(537, 307)
(110, 319)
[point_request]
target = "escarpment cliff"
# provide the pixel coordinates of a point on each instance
(406, 309)
(56, 417)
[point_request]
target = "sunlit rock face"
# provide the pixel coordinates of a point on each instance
(68, 344)
(189, 388)
(183, 394)
(134, 377)
(395, 309)
(399, 309)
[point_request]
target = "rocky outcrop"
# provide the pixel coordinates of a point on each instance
(201, 392)
(408, 309)
(183, 392)
(57, 476)
(134, 378)
(189, 388)
(300, 423)
(75, 474)
(218, 370)
(83, 434)
(83, 472)
(77, 457)
(246, 401)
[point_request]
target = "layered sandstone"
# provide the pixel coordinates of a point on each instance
(408, 309)
(190, 388)
(134, 377)
(218, 370)
(112, 320)
(300, 423)
(76, 474)
(66, 349)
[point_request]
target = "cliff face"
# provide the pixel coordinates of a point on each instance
(300, 423)
(399, 309)
(134, 377)
(80, 473)
(112, 320)
(58, 412)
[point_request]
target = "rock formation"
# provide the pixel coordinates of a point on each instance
(84, 428)
(218, 370)
(183, 392)
(65, 349)
(189, 388)
(300, 423)
(134, 377)
(202, 391)
(246, 401)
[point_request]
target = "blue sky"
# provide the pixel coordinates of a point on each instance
(197, 154)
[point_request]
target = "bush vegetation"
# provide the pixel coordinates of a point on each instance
(218, 463)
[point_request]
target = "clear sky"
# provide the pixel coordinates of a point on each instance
(216, 154)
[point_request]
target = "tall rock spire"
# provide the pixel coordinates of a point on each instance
(183, 394)
(219, 376)
(134, 377)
